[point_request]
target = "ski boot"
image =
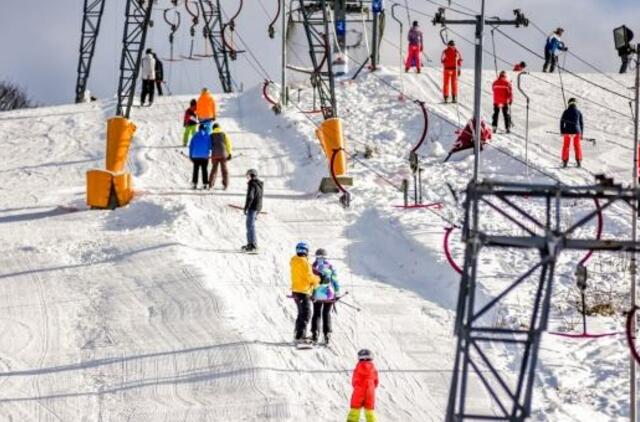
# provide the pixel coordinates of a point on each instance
(454, 99)
(446, 99)
(495, 129)
(247, 248)
(578, 163)
(327, 338)
(206, 186)
(194, 186)
(314, 338)
(564, 164)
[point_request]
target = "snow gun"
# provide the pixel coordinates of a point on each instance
(592, 140)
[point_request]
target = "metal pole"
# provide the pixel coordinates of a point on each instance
(634, 220)
(283, 89)
(477, 102)
(374, 44)
(526, 130)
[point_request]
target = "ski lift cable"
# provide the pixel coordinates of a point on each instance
(448, 7)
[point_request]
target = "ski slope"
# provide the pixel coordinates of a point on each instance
(150, 313)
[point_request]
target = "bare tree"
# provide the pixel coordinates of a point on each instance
(13, 97)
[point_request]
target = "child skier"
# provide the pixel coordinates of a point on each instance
(365, 382)
(324, 296)
(415, 48)
(303, 281)
(190, 123)
(466, 137)
(519, 67)
(252, 207)
(571, 126)
(452, 62)
(199, 150)
(220, 154)
(502, 99)
(551, 48)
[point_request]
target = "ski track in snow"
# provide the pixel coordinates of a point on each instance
(150, 312)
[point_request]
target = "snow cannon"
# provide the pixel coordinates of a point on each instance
(331, 138)
(113, 187)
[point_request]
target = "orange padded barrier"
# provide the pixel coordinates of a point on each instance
(99, 184)
(123, 186)
(331, 138)
(119, 133)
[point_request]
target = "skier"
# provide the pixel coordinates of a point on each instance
(252, 207)
(303, 281)
(364, 382)
(220, 154)
(572, 126)
(625, 52)
(502, 99)
(199, 150)
(415, 48)
(554, 43)
(159, 74)
(466, 137)
(206, 108)
(190, 123)
(452, 61)
(519, 67)
(324, 296)
(148, 72)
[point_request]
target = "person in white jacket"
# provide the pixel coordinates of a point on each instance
(148, 73)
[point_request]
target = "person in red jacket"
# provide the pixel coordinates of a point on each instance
(467, 135)
(502, 99)
(452, 62)
(190, 123)
(365, 382)
(415, 48)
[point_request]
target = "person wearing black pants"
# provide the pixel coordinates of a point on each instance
(148, 73)
(200, 165)
(321, 309)
(199, 151)
(303, 303)
(159, 74)
(303, 282)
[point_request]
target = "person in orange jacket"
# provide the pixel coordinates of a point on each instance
(206, 108)
(303, 282)
(364, 382)
(502, 100)
(452, 62)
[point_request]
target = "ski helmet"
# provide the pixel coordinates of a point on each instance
(365, 354)
(252, 173)
(451, 43)
(572, 101)
(302, 248)
(415, 23)
(321, 252)
(193, 102)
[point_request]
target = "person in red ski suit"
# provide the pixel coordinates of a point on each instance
(365, 382)
(502, 100)
(572, 126)
(415, 48)
(452, 62)
(466, 137)
(519, 67)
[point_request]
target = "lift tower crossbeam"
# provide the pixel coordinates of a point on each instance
(92, 17)
(137, 17)
(212, 14)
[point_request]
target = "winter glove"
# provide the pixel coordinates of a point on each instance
(565, 49)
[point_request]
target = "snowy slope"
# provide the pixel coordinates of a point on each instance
(149, 312)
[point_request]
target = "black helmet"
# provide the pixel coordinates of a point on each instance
(415, 23)
(252, 172)
(321, 252)
(451, 42)
(365, 354)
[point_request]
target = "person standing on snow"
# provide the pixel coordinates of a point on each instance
(148, 73)
(364, 381)
(303, 282)
(502, 100)
(199, 150)
(190, 123)
(159, 74)
(452, 62)
(572, 126)
(415, 48)
(220, 154)
(324, 296)
(206, 108)
(252, 207)
(551, 48)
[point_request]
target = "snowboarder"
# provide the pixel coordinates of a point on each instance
(220, 154)
(190, 123)
(551, 48)
(571, 126)
(415, 48)
(365, 381)
(324, 296)
(452, 61)
(159, 74)
(519, 67)
(199, 150)
(252, 207)
(206, 108)
(467, 135)
(148, 72)
(502, 100)
(303, 281)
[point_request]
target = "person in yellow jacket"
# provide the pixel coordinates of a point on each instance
(206, 108)
(303, 281)
(220, 154)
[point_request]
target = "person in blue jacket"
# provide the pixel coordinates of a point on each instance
(199, 151)
(551, 48)
(324, 295)
(571, 126)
